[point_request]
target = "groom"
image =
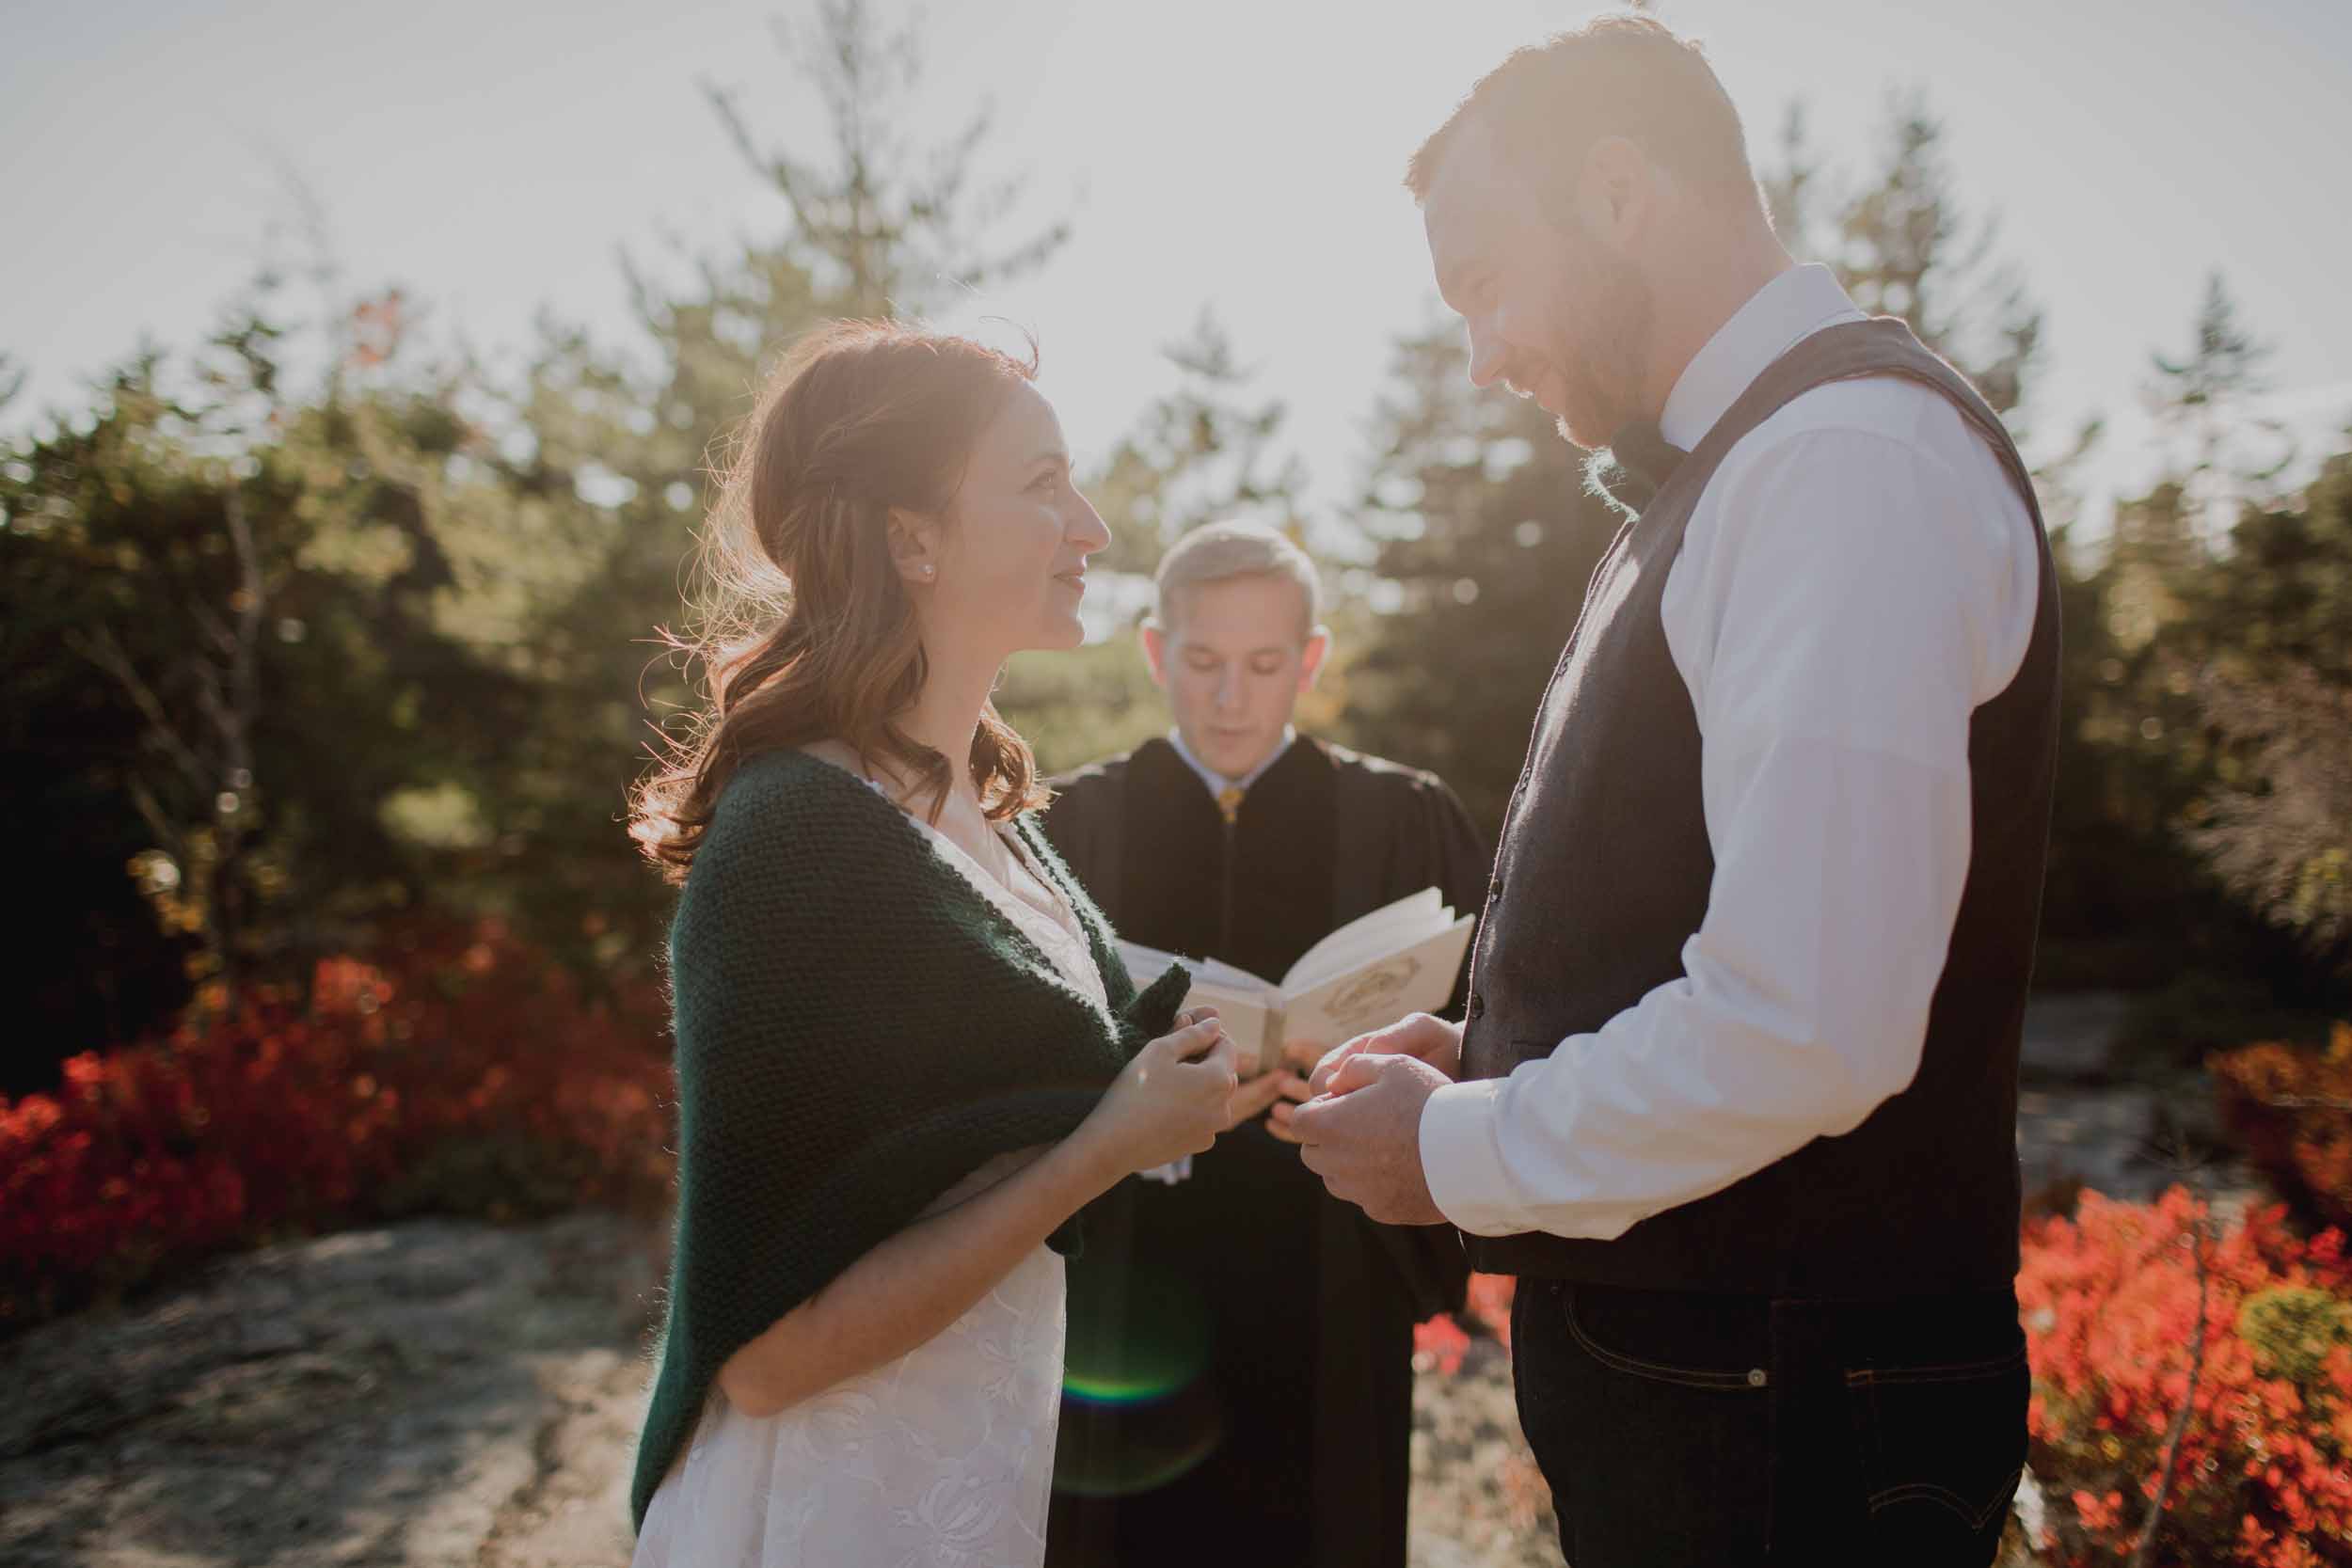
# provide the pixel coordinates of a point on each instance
(1736, 1095)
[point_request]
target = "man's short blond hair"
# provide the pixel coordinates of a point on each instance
(1218, 552)
(1630, 76)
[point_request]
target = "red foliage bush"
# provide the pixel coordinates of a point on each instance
(2264, 1470)
(1442, 1341)
(2292, 1110)
(458, 1072)
(2109, 1299)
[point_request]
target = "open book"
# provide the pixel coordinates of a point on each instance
(1370, 972)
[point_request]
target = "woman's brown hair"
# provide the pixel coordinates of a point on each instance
(807, 631)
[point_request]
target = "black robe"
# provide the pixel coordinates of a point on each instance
(1239, 1384)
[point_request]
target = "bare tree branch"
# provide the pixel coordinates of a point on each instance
(893, 226)
(105, 650)
(217, 762)
(152, 812)
(2197, 1240)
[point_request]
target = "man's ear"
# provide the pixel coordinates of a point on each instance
(1619, 192)
(913, 546)
(1154, 651)
(1311, 658)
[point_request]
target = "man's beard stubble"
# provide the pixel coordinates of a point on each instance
(1602, 376)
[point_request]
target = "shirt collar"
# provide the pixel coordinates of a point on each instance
(1217, 782)
(1793, 307)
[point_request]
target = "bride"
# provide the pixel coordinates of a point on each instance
(907, 1052)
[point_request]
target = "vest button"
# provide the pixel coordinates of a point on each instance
(1477, 1005)
(1758, 1378)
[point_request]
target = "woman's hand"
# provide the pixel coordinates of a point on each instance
(1261, 1092)
(1294, 1090)
(1172, 1099)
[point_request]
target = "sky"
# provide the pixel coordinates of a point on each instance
(496, 157)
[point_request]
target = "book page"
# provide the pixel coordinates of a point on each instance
(1249, 1007)
(1410, 920)
(1379, 992)
(1147, 964)
(1250, 1019)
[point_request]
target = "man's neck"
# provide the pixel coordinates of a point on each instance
(1215, 781)
(1694, 306)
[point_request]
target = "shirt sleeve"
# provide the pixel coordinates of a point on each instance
(1850, 609)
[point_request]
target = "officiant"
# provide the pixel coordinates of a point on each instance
(1239, 1366)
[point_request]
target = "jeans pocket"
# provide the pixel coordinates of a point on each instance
(1942, 1449)
(1619, 1343)
(1648, 1423)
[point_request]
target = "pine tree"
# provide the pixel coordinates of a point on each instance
(1204, 452)
(885, 228)
(1486, 537)
(2278, 831)
(2205, 404)
(313, 627)
(251, 632)
(1903, 246)
(2274, 692)
(1198, 453)
(2193, 655)
(621, 440)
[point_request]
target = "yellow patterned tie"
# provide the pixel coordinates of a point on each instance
(1229, 801)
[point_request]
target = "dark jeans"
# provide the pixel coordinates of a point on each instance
(1684, 1429)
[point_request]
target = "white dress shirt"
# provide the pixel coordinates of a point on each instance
(1857, 578)
(1216, 782)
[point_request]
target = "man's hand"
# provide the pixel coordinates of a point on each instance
(1257, 1093)
(1294, 1092)
(1418, 1035)
(1362, 1135)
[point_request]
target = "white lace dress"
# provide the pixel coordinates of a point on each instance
(946, 1456)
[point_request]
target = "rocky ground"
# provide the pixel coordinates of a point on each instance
(441, 1394)
(2082, 1118)
(435, 1393)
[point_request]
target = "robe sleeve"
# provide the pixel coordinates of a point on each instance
(1460, 862)
(1084, 824)
(1463, 867)
(1413, 829)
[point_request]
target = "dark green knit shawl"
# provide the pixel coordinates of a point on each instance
(858, 1029)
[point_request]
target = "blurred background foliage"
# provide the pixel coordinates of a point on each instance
(319, 625)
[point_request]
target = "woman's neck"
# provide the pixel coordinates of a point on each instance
(946, 716)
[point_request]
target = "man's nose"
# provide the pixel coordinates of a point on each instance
(1487, 356)
(1228, 687)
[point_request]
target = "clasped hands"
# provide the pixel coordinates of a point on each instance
(1360, 1125)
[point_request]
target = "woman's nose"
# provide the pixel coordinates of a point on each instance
(1091, 534)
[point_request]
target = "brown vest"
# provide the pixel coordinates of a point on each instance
(1603, 874)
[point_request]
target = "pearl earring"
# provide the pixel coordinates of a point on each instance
(929, 570)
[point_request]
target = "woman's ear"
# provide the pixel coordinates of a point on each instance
(913, 548)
